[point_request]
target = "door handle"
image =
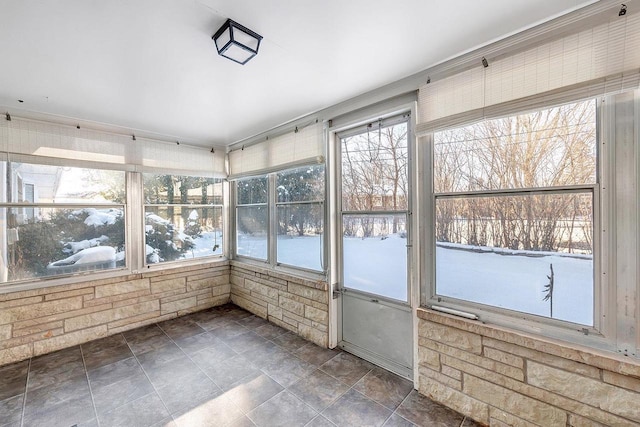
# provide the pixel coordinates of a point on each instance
(374, 300)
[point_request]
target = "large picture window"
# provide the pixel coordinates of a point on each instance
(514, 202)
(183, 217)
(60, 220)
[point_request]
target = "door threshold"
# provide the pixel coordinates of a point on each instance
(376, 359)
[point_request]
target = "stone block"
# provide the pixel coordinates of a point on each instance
(250, 306)
(21, 301)
(307, 292)
(503, 357)
(592, 392)
(122, 288)
(578, 421)
(37, 329)
(630, 383)
(176, 284)
(315, 336)
(111, 315)
(291, 305)
(39, 310)
(428, 357)
(15, 354)
(316, 315)
(181, 304)
(455, 400)
(451, 372)
(116, 299)
(547, 359)
(451, 336)
(68, 340)
(66, 294)
(527, 408)
(5, 332)
(60, 316)
(441, 378)
(500, 418)
(261, 289)
(274, 311)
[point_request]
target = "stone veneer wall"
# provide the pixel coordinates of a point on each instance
(501, 377)
(42, 320)
(296, 304)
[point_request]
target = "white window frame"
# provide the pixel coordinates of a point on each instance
(272, 219)
(602, 334)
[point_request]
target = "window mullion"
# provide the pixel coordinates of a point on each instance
(135, 218)
(272, 236)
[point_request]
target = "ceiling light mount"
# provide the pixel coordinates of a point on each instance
(236, 42)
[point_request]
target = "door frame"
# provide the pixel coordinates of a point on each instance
(393, 107)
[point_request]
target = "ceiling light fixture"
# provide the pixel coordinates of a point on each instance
(236, 42)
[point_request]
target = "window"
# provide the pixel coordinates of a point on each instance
(514, 202)
(64, 221)
(375, 200)
(294, 198)
(300, 213)
(252, 224)
(183, 217)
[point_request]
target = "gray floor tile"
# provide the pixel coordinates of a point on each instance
(252, 322)
(161, 375)
(11, 410)
(290, 341)
(347, 368)
(197, 342)
(384, 387)
(320, 421)
(252, 393)
(425, 413)
(319, 390)
(243, 421)
(186, 391)
(55, 367)
(396, 420)
(282, 410)
(229, 372)
(180, 328)
(110, 397)
(63, 414)
(230, 330)
(105, 351)
(315, 354)
(146, 339)
(288, 370)
(143, 412)
(13, 379)
(114, 373)
(46, 397)
(160, 356)
(212, 356)
(246, 342)
(217, 412)
(269, 331)
(355, 409)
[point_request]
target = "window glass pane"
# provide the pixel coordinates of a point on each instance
(252, 191)
(375, 254)
(374, 169)
(505, 251)
(548, 148)
(302, 184)
(43, 240)
(182, 232)
(251, 231)
(62, 241)
(32, 183)
(186, 190)
(300, 228)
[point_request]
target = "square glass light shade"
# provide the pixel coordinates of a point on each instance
(237, 43)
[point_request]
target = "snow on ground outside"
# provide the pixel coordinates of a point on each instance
(98, 254)
(508, 279)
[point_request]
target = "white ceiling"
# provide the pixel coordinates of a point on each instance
(150, 65)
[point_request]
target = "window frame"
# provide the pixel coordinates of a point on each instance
(272, 221)
(595, 336)
(143, 207)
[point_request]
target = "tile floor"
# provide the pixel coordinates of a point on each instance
(223, 366)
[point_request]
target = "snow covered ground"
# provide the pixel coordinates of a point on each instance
(493, 276)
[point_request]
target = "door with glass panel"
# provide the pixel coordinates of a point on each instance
(376, 321)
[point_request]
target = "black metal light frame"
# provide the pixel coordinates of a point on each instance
(232, 27)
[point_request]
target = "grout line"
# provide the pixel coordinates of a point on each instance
(24, 397)
(86, 373)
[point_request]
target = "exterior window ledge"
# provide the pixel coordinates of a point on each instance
(581, 354)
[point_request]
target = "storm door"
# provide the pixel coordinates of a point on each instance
(376, 322)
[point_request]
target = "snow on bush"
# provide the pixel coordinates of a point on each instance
(75, 247)
(97, 255)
